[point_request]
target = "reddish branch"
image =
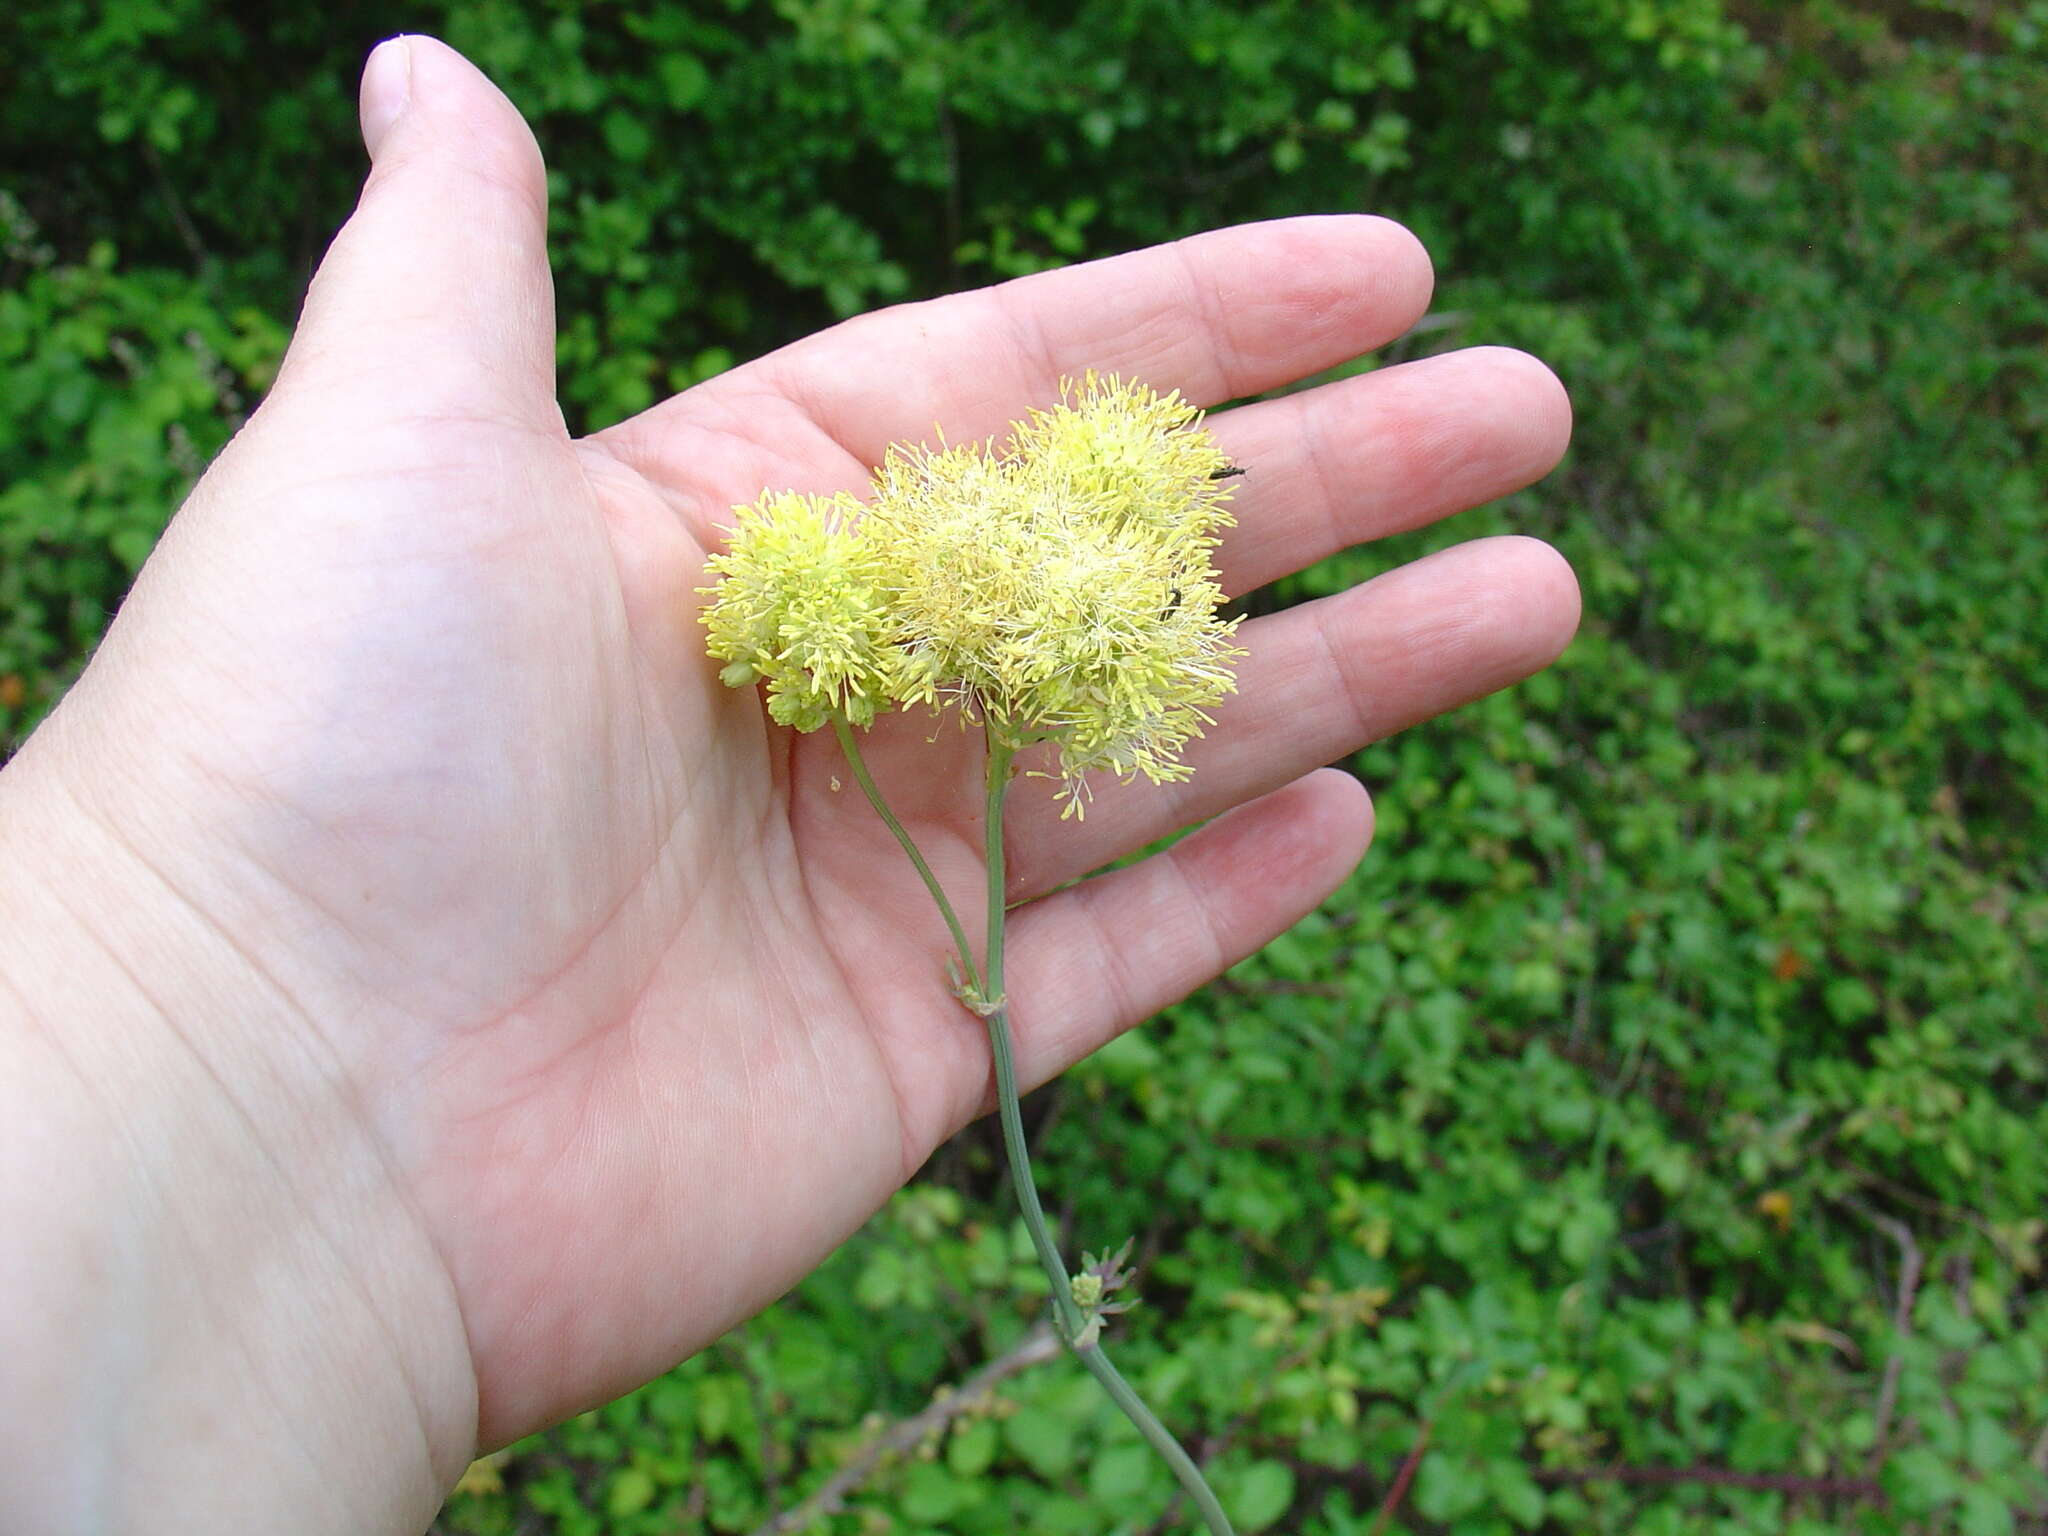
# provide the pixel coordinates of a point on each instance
(1402, 1479)
(1864, 1490)
(1860, 1488)
(1821, 1487)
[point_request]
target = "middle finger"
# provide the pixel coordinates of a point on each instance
(1384, 452)
(1319, 682)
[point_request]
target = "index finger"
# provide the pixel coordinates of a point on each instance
(1216, 316)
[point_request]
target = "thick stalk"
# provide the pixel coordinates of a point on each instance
(1071, 1322)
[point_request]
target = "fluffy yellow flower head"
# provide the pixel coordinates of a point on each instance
(1060, 588)
(802, 607)
(1141, 460)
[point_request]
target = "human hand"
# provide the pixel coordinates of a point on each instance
(517, 1007)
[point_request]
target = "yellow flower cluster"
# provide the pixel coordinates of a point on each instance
(802, 605)
(1060, 587)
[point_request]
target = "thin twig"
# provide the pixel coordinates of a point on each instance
(1399, 1490)
(1036, 1347)
(188, 232)
(1907, 1195)
(1911, 1264)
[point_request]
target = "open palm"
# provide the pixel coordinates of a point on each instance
(630, 988)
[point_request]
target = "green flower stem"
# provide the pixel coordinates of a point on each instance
(1071, 1322)
(1019, 1154)
(866, 781)
(1160, 1438)
(998, 1020)
(985, 993)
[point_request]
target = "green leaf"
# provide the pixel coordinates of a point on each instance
(670, 1405)
(1446, 1489)
(1984, 1513)
(684, 80)
(881, 1280)
(1214, 1101)
(1121, 1473)
(718, 1406)
(932, 1493)
(632, 1490)
(627, 135)
(1921, 1479)
(972, 1447)
(1850, 999)
(1043, 1439)
(1516, 1493)
(1259, 1495)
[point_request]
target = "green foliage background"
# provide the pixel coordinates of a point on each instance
(1692, 1002)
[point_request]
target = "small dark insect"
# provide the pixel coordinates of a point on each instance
(1173, 600)
(1228, 472)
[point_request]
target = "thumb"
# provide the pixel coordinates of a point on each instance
(435, 298)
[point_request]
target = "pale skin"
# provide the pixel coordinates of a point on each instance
(430, 1004)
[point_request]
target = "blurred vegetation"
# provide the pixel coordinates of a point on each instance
(1651, 1137)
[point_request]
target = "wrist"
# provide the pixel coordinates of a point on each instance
(217, 1307)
